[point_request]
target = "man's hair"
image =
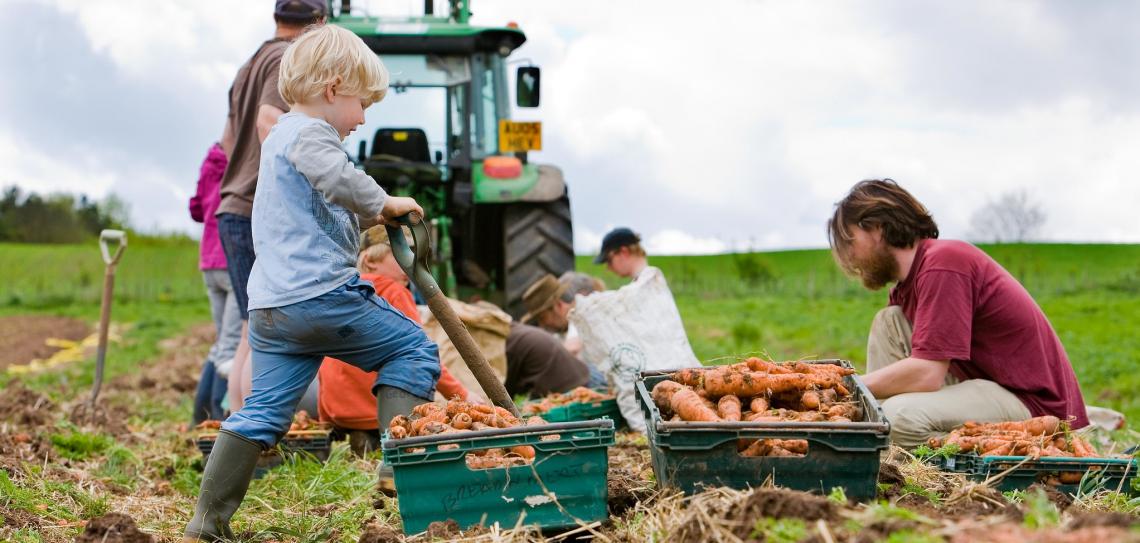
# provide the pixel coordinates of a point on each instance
(884, 204)
(297, 23)
(579, 283)
(330, 54)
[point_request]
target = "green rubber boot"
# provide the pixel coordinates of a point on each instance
(224, 482)
(391, 401)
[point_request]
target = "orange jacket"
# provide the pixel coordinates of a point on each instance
(345, 398)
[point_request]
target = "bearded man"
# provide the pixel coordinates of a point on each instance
(961, 339)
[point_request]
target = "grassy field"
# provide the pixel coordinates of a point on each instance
(789, 304)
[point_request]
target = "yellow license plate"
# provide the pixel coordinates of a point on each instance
(517, 136)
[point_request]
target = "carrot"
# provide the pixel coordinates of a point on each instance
(690, 406)
(759, 404)
(846, 410)
(755, 384)
(1046, 425)
(397, 432)
(663, 395)
(1082, 448)
(461, 421)
(693, 377)
(426, 409)
(764, 366)
(810, 399)
(1003, 450)
(525, 451)
(729, 408)
(418, 425)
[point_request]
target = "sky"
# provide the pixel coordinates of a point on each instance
(705, 126)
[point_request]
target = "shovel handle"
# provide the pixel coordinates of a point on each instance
(415, 264)
(117, 236)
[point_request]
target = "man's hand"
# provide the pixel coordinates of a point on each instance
(398, 206)
(907, 375)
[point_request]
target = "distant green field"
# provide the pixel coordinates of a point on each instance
(788, 304)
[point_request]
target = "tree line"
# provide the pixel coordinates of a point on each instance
(28, 217)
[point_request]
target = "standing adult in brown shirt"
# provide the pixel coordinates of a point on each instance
(255, 105)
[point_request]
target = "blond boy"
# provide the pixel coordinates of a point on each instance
(306, 298)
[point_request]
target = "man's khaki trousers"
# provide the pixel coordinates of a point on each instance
(915, 417)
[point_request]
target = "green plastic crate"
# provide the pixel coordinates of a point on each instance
(434, 483)
(577, 411)
(315, 442)
(1117, 473)
(691, 455)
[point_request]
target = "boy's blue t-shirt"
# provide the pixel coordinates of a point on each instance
(310, 205)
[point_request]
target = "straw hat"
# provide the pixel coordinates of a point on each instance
(541, 296)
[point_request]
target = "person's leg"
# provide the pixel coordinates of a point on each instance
(228, 340)
(202, 396)
(278, 340)
(236, 234)
(363, 330)
(918, 416)
(889, 340)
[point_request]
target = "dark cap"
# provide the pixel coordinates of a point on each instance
(614, 240)
(300, 10)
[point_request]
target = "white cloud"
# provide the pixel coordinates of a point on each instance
(677, 242)
(706, 127)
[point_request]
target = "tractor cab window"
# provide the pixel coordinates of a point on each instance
(490, 92)
(411, 123)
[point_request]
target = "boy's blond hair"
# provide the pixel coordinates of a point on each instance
(330, 54)
(373, 253)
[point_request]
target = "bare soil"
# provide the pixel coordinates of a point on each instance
(22, 336)
(113, 528)
(24, 407)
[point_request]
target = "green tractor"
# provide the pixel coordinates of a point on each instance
(447, 139)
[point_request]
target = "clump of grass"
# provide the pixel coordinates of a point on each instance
(121, 466)
(784, 530)
(1040, 512)
(76, 445)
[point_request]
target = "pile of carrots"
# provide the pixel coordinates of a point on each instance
(1039, 436)
(458, 416)
(757, 390)
(558, 399)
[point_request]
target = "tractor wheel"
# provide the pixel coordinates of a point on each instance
(538, 239)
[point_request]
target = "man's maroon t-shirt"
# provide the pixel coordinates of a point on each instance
(964, 307)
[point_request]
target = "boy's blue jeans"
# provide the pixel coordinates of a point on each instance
(349, 323)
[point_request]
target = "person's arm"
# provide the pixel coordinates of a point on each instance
(907, 375)
(196, 209)
(318, 156)
(449, 386)
(267, 116)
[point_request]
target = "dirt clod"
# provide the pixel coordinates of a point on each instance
(379, 533)
(1092, 520)
(25, 407)
(779, 503)
(113, 528)
(1058, 498)
(443, 529)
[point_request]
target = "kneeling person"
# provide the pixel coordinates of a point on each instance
(961, 339)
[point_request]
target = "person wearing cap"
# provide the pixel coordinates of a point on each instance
(255, 105)
(623, 255)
